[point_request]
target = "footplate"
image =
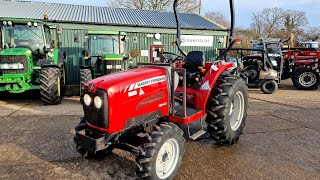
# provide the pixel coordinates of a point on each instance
(90, 140)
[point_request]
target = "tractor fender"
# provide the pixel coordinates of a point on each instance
(209, 83)
(59, 61)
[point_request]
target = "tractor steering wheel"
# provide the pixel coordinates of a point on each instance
(171, 57)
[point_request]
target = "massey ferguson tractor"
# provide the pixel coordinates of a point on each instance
(139, 110)
(29, 61)
(302, 65)
(104, 54)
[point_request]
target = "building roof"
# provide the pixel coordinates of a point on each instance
(101, 15)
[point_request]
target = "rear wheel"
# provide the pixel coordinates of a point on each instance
(52, 85)
(227, 110)
(269, 86)
(161, 155)
(85, 76)
(306, 80)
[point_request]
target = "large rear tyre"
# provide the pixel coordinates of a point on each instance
(227, 110)
(306, 79)
(85, 76)
(269, 86)
(161, 155)
(52, 85)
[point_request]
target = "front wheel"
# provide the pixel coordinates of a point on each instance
(306, 80)
(161, 155)
(227, 110)
(51, 85)
(269, 86)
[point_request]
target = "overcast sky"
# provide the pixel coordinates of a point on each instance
(244, 8)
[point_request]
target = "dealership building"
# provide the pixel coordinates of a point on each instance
(147, 32)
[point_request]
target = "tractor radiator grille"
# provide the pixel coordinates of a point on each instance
(14, 59)
(98, 118)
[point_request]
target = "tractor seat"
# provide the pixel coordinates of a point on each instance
(193, 61)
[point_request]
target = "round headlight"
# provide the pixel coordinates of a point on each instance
(35, 24)
(97, 102)
(87, 100)
(4, 23)
(10, 23)
(29, 24)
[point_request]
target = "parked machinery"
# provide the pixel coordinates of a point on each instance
(30, 61)
(138, 110)
(104, 54)
(302, 66)
(262, 65)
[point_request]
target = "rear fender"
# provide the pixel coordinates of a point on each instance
(209, 82)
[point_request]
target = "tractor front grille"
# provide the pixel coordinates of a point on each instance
(98, 118)
(14, 59)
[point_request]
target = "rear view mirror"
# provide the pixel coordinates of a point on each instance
(59, 30)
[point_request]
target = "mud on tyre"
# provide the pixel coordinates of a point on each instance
(161, 154)
(227, 109)
(52, 85)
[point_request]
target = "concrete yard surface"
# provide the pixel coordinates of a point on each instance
(281, 140)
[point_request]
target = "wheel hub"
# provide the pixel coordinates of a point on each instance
(167, 158)
(307, 79)
(237, 111)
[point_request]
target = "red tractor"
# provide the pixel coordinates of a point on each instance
(302, 65)
(139, 110)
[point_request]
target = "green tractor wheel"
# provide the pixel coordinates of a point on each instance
(85, 76)
(52, 85)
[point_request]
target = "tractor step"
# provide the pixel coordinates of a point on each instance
(197, 135)
(189, 111)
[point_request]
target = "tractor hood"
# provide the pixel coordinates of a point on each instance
(112, 57)
(126, 81)
(15, 52)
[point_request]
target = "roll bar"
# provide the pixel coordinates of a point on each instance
(231, 40)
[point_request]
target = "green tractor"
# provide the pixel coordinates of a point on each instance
(105, 54)
(29, 61)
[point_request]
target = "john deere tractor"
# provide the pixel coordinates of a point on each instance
(104, 54)
(29, 61)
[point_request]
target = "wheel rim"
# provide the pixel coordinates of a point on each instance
(307, 79)
(237, 111)
(167, 158)
(59, 89)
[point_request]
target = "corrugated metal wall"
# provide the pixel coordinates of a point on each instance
(74, 49)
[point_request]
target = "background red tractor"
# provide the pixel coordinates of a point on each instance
(302, 65)
(139, 110)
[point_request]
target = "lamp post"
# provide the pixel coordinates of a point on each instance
(200, 4)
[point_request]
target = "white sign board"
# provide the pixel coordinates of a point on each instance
(144, 53)
(194, 40)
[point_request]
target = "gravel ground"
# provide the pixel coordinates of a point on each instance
(281, 140)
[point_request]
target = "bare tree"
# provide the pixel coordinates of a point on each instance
(294, 20)
(186, 6)
(257, 24)
(218, 17)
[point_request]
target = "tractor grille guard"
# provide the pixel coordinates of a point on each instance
(184, 91)
(14, 59)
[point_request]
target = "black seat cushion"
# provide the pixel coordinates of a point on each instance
(193, 60)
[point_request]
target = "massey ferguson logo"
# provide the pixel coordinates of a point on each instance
(91, 87)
